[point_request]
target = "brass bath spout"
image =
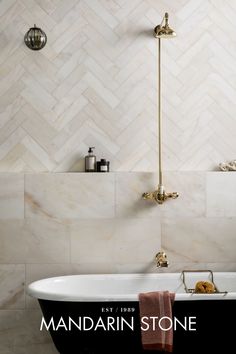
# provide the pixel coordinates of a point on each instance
(161, 260)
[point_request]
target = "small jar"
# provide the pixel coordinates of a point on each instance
(103, 166)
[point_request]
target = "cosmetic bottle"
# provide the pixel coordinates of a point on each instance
(90, 161)
(104, 165)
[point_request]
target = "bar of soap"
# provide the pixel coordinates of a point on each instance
(204, 287)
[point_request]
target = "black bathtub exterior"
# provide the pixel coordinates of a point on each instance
(213, 322)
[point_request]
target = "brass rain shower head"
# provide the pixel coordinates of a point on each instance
(165, 31)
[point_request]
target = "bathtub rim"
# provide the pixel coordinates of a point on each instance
(33, 291)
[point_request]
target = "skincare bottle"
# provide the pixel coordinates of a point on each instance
(90, 161)
(104, 165)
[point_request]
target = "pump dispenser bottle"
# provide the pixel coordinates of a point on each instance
(90, 161)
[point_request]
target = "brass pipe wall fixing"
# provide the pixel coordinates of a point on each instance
(160, 195)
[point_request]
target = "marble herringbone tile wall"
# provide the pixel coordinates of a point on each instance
(94, 84)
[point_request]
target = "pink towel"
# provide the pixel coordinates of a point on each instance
(158, 304)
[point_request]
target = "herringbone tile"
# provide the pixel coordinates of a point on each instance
(95, 84)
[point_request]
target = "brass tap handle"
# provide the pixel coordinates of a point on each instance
(148, 195)
(159, 197)
(172, 195)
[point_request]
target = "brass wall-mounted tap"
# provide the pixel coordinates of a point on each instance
(159, 195)
(161, 260)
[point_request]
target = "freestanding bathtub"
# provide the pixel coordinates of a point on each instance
(99, 314)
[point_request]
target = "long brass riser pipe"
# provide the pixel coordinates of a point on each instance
(159, 195)
(159, 125)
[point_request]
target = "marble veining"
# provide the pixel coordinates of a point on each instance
(95, 84)
(116, 240)
(208, 240)
(69, 196)
(58, 224)
(33, 241)
(12, 286)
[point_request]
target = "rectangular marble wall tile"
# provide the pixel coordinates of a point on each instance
(20, 334)
(11, 196)
(176, 267)
(91, 267)
(115, 241)
(129, 190)
(199, 239)
(34, 241)
(40, 271)
(70, 196)
(46, 241)
(222, 266)
(91, 241)
(136, 240)
(13, 248)
(221, 194)
(191, 187)
(12, 286)
(145, 267)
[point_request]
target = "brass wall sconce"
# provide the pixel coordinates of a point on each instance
(161, 31)
(35, 38)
